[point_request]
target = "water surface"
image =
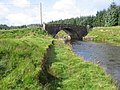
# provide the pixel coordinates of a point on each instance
(108, 56)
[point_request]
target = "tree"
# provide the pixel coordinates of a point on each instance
(111, 18)
(118, 15)
(4, 27)
(100, 20)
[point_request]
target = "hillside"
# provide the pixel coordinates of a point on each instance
(22, 53)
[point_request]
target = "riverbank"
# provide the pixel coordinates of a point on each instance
(75, 73)
(104, 34)
(22, 52)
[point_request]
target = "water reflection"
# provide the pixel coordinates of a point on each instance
(107, 56)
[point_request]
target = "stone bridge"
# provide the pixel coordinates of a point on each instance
(76, 32)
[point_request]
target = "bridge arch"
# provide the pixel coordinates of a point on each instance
(75, 31)
(69, 31)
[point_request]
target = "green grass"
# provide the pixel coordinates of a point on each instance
(21, 55)
(105, 34)
(21, 33)
(75, 73)
(21, 52)
(61, 34)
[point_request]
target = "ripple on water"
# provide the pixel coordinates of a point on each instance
(107, 56)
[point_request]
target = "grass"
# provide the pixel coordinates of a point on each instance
(21, 33)
(76, 74)
(21, 55)
(21, 52)
(61, 34)
(105, 34)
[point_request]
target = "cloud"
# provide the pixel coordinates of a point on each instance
(102, 4)
(20, 15)
(19, 12)
(102, 1)
(61, 9)
(20, 19)
(3, 10)
(55, 15)
(64, 4)
(21, 3)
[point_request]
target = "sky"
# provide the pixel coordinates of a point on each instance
(25, 12)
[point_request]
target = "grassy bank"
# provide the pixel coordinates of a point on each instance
(76, 74)
(21, 55)
(105, 34)
(21, 52)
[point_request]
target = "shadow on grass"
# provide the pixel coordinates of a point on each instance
(46, 78)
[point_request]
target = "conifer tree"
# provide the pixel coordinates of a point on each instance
(111, 18)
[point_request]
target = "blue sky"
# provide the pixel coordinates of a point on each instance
(20, 12)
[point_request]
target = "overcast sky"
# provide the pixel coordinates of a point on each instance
(20, 12)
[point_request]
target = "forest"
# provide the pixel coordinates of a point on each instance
(107, 17)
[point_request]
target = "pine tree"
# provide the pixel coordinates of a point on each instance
(119, 15)
(111, 18)
(100, 21)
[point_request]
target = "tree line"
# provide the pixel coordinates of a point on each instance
(106, 17)
(5, 27)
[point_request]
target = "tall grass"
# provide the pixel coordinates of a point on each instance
(21, 52)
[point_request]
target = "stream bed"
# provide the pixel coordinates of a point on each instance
(106, 55)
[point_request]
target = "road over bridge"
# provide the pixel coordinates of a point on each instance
(76, 32)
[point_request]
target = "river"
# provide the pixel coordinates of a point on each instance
(106, 55)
